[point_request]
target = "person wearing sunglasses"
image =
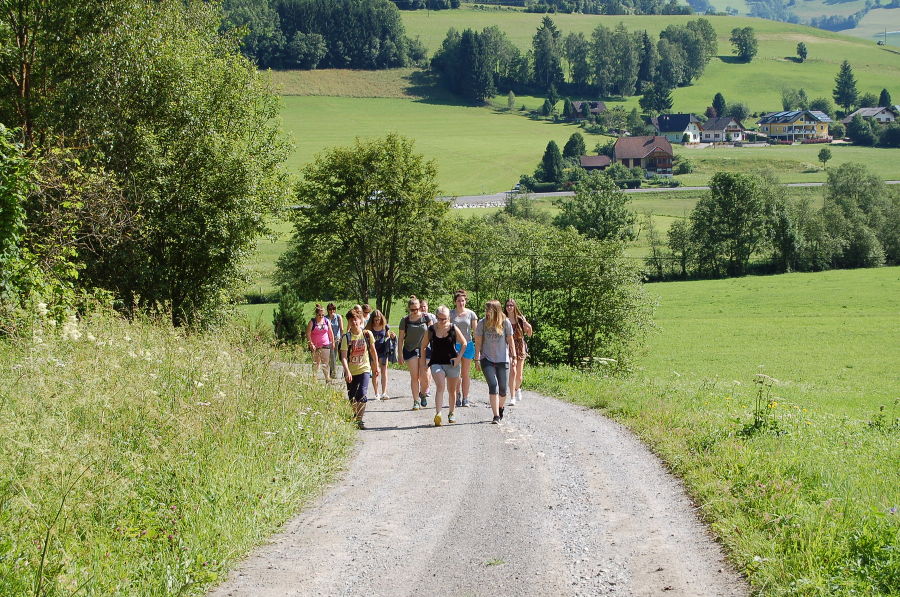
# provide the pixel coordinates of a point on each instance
(413, 328)
(443, 337)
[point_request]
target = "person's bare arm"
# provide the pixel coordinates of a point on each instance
(309, 341)
(373, 354)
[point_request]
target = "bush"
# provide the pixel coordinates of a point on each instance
(290, 325)
(683, 166)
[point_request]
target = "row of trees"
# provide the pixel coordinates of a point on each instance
(145, 160)
(306, 34)
(612, 62)
(371, 229)
(747, 221)
(611, 7)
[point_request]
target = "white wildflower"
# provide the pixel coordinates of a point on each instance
(220, 395)
(70, 329)
(204, 403)
(199, 384)
(132, 354)
(91, 337)
(42, 309)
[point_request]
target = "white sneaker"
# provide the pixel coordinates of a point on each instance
(377, 397)
(519, 395)
(512, 401)
(385, 397)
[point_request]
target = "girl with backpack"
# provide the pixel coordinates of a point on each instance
(443, 337)
(320, 339)
(465, 320)
(521, 328)
(414, 327)
(382, 333)
(357, 356)
(494, 348)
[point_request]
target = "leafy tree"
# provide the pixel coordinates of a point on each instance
(602, 53)
(672, 70)
(627, 60)
(679, 236)
(552, 96)
(263, 40)
(574, 147)
(801, 51)
(696, 47)
(510, 100)
(884, 99)
(860, 131)
(306, 50)
(15, 183)
(837, 130)
(551, 168)
(824, 155)
(636, 124)
(568, 109)
(476, 79)
(649, 59)
(845, 92)
(744, 41)
(577, 52)
(547, 49)
(547, 108)
(656, 99)
(370, 212)
(738, 111)
(719, 105)
(890, 135)
(822, 104)
(729, 223)
(794, 99)
(856, 201)
(867, 100)
(598, 210)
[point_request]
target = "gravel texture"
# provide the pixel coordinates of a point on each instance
(555, 501)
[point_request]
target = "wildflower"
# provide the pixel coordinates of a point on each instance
(70, 329)
(204, 403)
(91, 337)
(199, 384)
(42, 309)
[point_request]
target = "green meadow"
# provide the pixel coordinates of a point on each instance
(757, 84)
(803, 500)
(876, 23)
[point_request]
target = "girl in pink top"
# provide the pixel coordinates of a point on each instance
(320, 340)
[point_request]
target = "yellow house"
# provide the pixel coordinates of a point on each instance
(795, 125)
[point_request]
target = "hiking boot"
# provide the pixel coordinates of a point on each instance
(451, 418)
(416, 405)
(437, 420)
(495, 421)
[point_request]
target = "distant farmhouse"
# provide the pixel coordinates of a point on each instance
(596, 108)
(653, 154)
(718, 130)
(595, 162)
(879, 115)
(795, 125)
(675, 126)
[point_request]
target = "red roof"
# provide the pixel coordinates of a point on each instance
(640, 147)
(595, 161)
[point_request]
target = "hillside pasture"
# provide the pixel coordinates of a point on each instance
(805, 501)
(758, 83)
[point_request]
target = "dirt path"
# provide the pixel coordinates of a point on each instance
(556, 501)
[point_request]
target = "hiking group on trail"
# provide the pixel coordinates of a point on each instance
(444, 344)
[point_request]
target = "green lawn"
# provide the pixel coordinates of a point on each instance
(477, 150)
(802, 501)
(758, 84)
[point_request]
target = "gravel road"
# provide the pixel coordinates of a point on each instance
(556, 501)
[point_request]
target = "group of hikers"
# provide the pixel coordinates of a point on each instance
(443, 344)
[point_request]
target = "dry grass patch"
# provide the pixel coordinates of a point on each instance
(334, 82)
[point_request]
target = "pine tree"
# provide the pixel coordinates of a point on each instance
(568, 109)
(719, 105)
(845, 92)
(552, 163)
(574, 147)
(884, 100)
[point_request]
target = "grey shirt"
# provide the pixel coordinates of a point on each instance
(414, 330)
(493, 345)
(463, 321)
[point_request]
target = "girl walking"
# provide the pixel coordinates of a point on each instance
(413, 328)
(320, 339)
(382, 334)
(443, 337)
(494, 347)
(465, 320)
(521, 328)
(337, 330)
(358, 356)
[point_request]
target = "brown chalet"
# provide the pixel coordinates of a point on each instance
(595, 162)
(653, 154)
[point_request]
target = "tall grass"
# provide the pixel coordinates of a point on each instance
(798, 476)
(139, 460)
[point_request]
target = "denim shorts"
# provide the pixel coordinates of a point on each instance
(448, 370)
(470, 350)
(411, 354)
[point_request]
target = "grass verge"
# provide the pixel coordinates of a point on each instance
(800, 478)
(138, 460)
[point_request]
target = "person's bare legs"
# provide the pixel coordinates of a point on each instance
(414, 382)
(383, 375)
(452, 384)
(466, 377)
(440, 383)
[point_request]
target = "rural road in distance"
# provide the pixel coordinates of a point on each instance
(555, 501)
(499, 199)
